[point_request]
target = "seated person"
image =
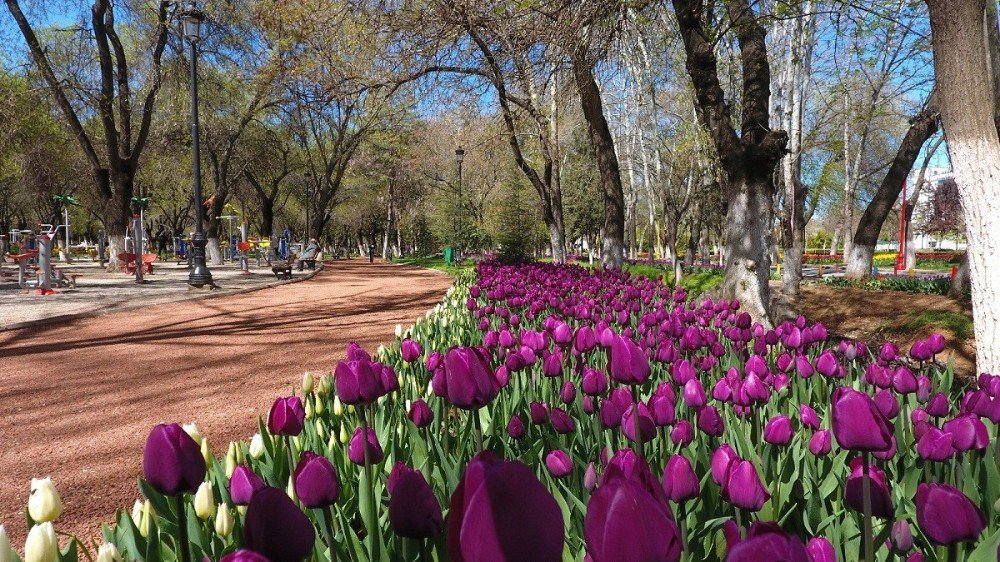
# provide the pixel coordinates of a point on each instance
(308, 254)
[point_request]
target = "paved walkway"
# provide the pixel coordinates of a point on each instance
(78, 399)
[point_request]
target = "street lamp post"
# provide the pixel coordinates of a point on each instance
(199, 276)
(459, 156)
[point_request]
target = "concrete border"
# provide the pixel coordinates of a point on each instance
(209, 294)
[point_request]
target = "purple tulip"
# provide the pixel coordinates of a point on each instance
(559, 463)
(277, 528)
(414, 511)
(888, 352)
(819, 443)
(936, 342)
(808, 417)
(778, 430)
(357, 382)
(316, 482)
(947, 516)
(420, 413)
(626, 521)
(901, 537)
(938, 407)
(827, 364)
(500, 511)
(567, 393)
(552, 364)
(628, 364)
(287, 416)
(471, 382)
(887, 403)
(936, 445)
(590, 477)
(767, 541)
(803, 367)
(172, 461)
(243, 483)
(594, 382)
(638, 417)
(710, 422)
(858, 424)
(880, 492)
(694, 394)
(903, 380)
(679, 480)
(721, 459)
(969, 432)
(357, 446)
(585, 339)
(561, 421)
(682, 434)
(921, 351)
(410, 350)
(539, 413)
(742, 486)
(434, 359)
(516, 427)
(820, 550)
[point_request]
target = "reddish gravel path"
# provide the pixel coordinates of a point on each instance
(77, 400)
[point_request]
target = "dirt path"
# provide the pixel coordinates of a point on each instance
(77, 400)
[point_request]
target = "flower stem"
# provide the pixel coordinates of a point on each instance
(479, 430)
(182, 530)
(369, 516)
(331, 533)
(866, 490)
(635, 423)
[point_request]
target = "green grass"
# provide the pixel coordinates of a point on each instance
(955, 322)
(439, 264)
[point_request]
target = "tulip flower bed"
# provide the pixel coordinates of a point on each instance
(905, 283)
(551, 413)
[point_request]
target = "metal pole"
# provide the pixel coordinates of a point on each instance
(199, 275)
(69, 257)
(458, 234)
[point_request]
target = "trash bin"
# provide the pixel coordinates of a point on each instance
(448, 254)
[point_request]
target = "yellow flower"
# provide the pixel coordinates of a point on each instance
(204, 502)
(42, 544)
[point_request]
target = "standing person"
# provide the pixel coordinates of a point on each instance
(371, 253)
(161, 241)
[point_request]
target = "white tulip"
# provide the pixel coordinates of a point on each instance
(399, 330)
(42, 544)
(307, 383)
(224, 521)
(137, 513)
(44, 504)
(256, 446)
(148, 513)
(338, 406)
(5, 552)
(206, 454)
(108, 553)
(192, 430)
(204, 502)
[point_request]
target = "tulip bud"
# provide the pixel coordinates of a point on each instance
(148, 514)
(309, 410)
(223, 521)
(204, 501)
(231, 460)
(137, 513)
(42, 544)
(5, 552)
(338, 407)
(307, 383)
(256, 446)
(108, 552)
(590, 477)
(344, 437)
(901, 537)
(206, 454)
(192, 430)
(44, 503)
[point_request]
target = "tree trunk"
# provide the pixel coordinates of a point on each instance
(607, 163)
(116, 245)
(859, 261)
(747, 247)
(267, 218)
(967, 99)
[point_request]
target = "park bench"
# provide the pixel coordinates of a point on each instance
(128, 262)
(284, 270)
(311, 262)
